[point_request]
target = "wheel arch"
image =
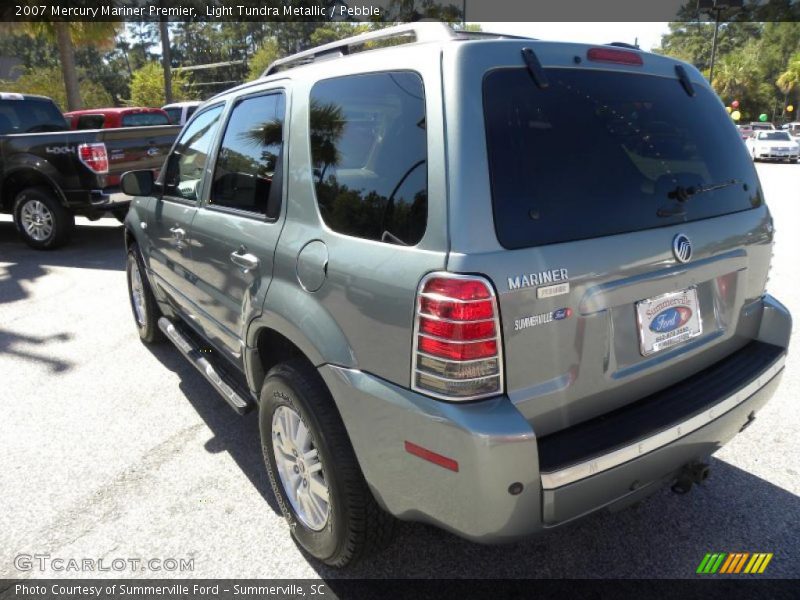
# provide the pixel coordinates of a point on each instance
(25, 177)
(273, 338)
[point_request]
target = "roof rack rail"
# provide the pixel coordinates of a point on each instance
(420, 31)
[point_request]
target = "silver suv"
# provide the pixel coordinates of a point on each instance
(487, 283)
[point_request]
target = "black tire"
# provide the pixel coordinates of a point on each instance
(53, 225)
(147, 325)
(356, 525)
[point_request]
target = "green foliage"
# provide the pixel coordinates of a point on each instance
(41, 81)
(789, 80)
(147, 86)
(753, 62)
(264, 56)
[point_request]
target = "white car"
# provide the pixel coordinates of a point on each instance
(179, 112)
(773, 145)
(793, 129)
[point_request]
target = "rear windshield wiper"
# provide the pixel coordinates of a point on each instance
(535, 69)
(682, 194)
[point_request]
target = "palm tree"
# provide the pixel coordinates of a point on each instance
(789, 80)
(66, 36)
(166, 60)
(734, 72)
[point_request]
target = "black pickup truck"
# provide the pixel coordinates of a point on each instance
(49, 174)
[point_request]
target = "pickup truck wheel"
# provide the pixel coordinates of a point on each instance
(313, 470)
(41, 219)
(143, 304)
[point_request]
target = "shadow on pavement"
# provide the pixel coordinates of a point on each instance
(664, 536)
(21, 345)
(238, 436)
(93, 246)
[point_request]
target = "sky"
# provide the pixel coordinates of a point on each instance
(649, 34)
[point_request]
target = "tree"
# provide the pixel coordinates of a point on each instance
(67, 36)
(147, 86)
(264, 56)
(40, 81)
(789, 80)
(166, 64)
(752, 58)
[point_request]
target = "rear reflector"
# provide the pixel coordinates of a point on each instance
(429, 455)
(457, 346)
(612, 55)
(94, 156)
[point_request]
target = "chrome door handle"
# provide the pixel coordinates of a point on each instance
(243, 259)
(178, 236)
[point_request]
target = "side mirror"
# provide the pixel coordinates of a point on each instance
(137, 183)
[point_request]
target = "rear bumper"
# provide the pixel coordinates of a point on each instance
(109, 198)
(495, 447)
(96, 199)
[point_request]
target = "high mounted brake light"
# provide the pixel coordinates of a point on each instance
(457, 344)
(94, 156)
(612, 55)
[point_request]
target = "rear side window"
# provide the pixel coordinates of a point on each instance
(144, 119)
(90, 122)
(602, 152)
(250, 155)
(369, 153)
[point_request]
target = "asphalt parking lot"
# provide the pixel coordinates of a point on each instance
(110, 449)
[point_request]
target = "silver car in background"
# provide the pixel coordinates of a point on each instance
(773, 145)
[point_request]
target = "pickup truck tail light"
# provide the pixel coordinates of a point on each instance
(94, 156)
(457, 344)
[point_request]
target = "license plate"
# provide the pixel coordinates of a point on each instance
(668, 320)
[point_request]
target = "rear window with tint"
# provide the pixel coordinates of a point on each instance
(90, 122)
(30, 115)
(369, 153)
(144, 119)
(600, 153)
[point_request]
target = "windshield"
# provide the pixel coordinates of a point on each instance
(774, 135)
(144, 119)
(603, 152)
(31, 115)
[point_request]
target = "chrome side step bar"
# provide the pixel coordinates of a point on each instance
(215, 376)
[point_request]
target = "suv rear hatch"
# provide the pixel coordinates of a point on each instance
(618, 216)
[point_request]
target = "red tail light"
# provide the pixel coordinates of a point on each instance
(612, 55)
(457, 345)
(94, 156)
